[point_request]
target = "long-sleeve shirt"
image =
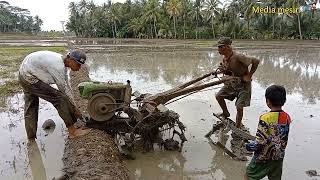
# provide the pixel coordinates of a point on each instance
(272, 136)
(48, 67)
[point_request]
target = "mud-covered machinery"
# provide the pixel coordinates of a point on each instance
(105, 98)
(149, 120)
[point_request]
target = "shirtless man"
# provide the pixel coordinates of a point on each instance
(235, 65)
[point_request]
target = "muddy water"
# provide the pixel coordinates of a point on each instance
(152, 71)
(20, 160)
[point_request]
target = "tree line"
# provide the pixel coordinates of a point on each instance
(192, 19)
(16, 19)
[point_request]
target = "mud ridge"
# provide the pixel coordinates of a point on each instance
(95, 155)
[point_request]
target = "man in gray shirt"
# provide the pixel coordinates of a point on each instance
(37, 72)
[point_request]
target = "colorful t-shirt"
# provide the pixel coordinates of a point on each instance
(272, 136)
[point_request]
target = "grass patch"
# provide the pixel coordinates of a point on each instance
(205, 43)
(10, 87)
(10, 60)
(13, 36)
(28, 36)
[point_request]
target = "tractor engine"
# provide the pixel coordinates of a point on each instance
(105, 98)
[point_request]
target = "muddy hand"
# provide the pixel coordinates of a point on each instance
(74, 132)
(78, 114)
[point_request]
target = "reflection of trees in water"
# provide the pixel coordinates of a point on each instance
(296, 70)
(174, 68)
(35, 160)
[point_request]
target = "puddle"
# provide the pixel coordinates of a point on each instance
(152, 72)
(44, 158)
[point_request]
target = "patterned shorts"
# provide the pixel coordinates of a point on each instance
(241, 91)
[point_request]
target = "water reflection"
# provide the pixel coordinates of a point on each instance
(223, 167)
(35, 160)
(163, 166)
(175, 165)
(174, 68)
(158, 71)
(20, 160)
(297, 70)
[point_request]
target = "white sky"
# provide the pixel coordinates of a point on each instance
(50, 11)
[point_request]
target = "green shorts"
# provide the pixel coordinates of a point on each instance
(258, 170)
(242, 92)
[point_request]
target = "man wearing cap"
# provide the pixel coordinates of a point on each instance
(37, 72)
(235, 64)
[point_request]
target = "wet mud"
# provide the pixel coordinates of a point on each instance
(156, 71)
(95, 155)
(154, 67)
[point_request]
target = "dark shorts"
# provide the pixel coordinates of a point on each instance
(240, 91)
(258, 170)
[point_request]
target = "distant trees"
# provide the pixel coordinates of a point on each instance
(192, 19)
(16, 19)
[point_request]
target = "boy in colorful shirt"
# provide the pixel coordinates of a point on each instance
(271, 138)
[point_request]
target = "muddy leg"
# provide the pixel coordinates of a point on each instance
(31, 108)
(239, 116)
(58, 99)
(223, 106)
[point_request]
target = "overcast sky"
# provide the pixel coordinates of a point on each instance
(50, 11)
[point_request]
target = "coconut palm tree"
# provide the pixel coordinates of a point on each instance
(114, 19)
(223, 16)
(196, 14)
(247, 11)
(263, 23)
(234, 10)
(137, 25)
(186, 11)
(297, 3)
(37, 24)
(174, 8)
(211, 11)
(74, 19)
(152, 14)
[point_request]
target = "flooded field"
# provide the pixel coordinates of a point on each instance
(156, 69)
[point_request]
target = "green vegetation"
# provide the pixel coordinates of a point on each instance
(10, 60)
(16, 19)
(205, 19)
(27, 36)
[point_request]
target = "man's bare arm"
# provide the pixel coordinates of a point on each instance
(255, 64)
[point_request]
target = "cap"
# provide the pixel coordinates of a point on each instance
(224, 41)
(78, 55)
